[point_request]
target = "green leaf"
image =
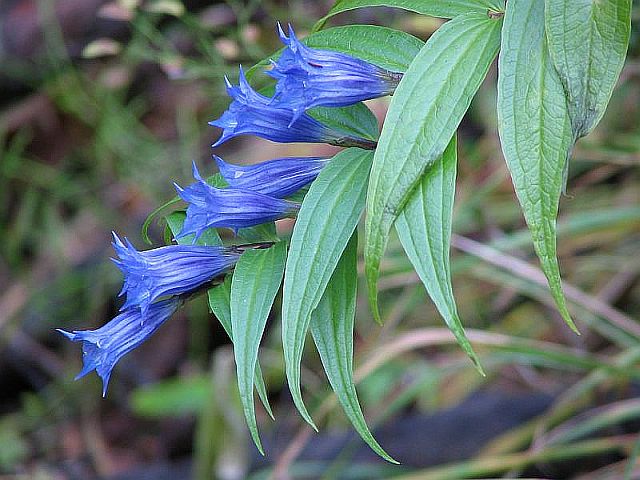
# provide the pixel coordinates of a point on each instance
(175, 221)
(147, 223)
(424, 228)
(382, 46)
(355, 120)
(327, 219)
(535, 130)
(219, 296)
(265, 232)
(220, 304)
(332, 330)
(256, 281)
(424, 114)
(588, 42)
(434, 8)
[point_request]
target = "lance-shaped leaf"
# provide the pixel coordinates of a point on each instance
(332, 330)
(219, 296)
(434, 8)
(535, 130)
(423, 116)
(256, 281)
(424, 228)
(588, 41)
(327, 219)
(220, 304)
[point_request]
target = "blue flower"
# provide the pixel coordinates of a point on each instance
(170, 270)
(228, 207)
(251, 113)
(308, 77)
(102, 348)
(278, 178)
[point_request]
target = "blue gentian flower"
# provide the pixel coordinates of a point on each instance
(170, 270)
(102, 348)
(251, 113)
(309, 77)
(228, 207)
(277, 178)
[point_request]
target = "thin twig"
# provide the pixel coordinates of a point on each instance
(525, 270)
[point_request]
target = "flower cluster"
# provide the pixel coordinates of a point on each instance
(158, 281)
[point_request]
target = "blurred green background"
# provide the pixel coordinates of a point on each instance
(103, 104)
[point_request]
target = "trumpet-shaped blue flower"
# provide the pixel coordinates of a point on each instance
(102, 348)
(228, 207)
(251, 113)
(309, 77)
(170, 270)
(278, 178)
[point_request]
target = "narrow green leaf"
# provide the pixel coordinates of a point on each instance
(424, 228)
(355, 120)
(434, 8)
(327, 219)
(256, 281)
(332, 330)
(535, 131)
(220, 304)
(175, 221)
(219, 296)
(265, 232)
(424, 114)
(154, 214)
(588, 42)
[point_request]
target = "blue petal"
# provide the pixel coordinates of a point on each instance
(104, 347)
(277, 178)
(170, 270)
(309, 77)
(228, 207)
(251, 113)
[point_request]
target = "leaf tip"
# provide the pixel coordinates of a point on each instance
(267, 408)
(299, 403)
(564, 312)
(569, 321)
(256, 439)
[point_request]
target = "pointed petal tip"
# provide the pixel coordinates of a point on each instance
(105, 384)
(194, 171)
(116, 239)
(281, 34)
(70, 335)
(219, 161)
